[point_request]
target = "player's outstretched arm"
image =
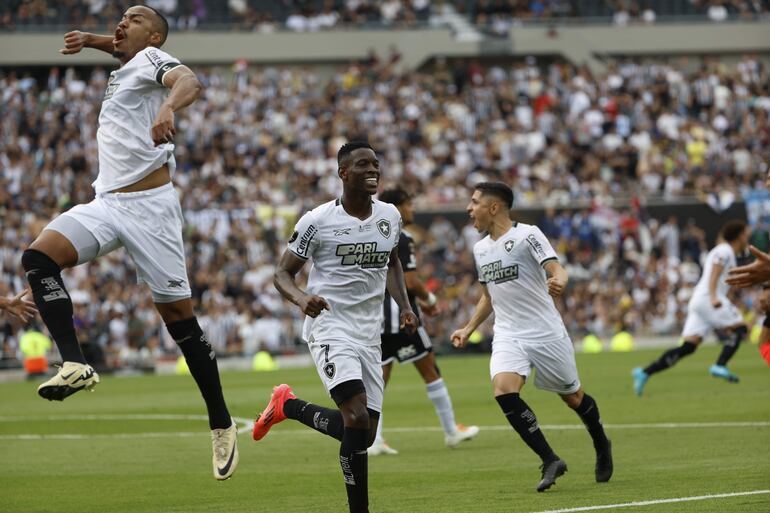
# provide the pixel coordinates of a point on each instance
(415, 286)
(185, 89)
(76, 40)
(397, 289)
(284, 280)
(557, 277)
(751, 274)
(480, 314)
(19, 307)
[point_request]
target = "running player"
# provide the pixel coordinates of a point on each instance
(518, 269)
(353, 242)
(136, 207)
(399, 345)
(708, 309)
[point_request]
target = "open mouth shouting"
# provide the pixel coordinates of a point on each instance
(120, 35)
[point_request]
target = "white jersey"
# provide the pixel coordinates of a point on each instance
(133, 97)
(722, 255)
(350, 267)
(512, 269)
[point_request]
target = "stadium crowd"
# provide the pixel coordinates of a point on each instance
(493, 16)
(258, 148)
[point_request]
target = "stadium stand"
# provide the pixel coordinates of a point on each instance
(495, 16)
(257, 152)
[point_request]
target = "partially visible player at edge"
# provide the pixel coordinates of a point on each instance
(353, 243)
(405, 347)
(756, 273)
(518, 269)
(708, 309)
(137, 207)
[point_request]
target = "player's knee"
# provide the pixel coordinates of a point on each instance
(429, 373)
(37, 260)
(573, 400)
(689, 347)
(355, 415)
(507, 383)
(350, 396)
(374, 418)
(741, 331)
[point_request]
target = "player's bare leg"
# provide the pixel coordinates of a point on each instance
(586, 408)
(43, 261)
(454, 433)
(183, 327)
(507, 386)
(666, 361)
(380, 446)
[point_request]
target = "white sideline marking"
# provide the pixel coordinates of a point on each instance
(248, 423)
(657, 501)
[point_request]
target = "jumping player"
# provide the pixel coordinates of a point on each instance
(398, 345)
(353, 243)
(136, 207)
(708, 309)
(518, 269)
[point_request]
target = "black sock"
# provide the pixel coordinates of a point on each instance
(589, 414)
(202, 362)
(355, 468)
(53, 302)
(524, 422)
(670, 357)
(731, 345)
(323, 420)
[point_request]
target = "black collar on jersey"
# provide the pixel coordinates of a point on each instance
(338, 202)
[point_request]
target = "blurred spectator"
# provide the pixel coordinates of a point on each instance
(258, 150)
(495, 17)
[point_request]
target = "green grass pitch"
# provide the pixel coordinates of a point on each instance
(136, 449)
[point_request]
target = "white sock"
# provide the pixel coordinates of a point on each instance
(378, 438)
(439, 394)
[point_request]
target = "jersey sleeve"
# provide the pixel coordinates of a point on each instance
(304, 241)
(399, 226)
(539, 246)
(156, 63)
(406, 253)
(722, 256)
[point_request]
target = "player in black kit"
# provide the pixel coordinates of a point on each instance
(398, 345)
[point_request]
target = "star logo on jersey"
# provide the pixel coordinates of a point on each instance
(508, 245)
(329, 370)
(384, 226)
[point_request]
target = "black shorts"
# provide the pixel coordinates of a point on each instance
(405, 347)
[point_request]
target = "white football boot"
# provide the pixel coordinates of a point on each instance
(225, 446)
(72, 377)
(462, 434)
(381, 447)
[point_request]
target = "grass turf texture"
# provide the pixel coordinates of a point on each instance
(295, 469)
